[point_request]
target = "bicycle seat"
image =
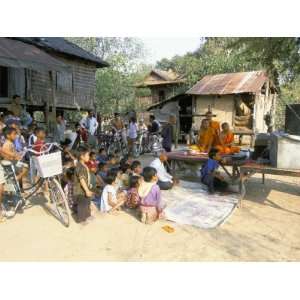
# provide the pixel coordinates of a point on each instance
(6, 163)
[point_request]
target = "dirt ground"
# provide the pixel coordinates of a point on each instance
(266, 228)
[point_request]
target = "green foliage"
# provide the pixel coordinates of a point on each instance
(212, 57)
(115, 90)
(290, 93)
(278, 56)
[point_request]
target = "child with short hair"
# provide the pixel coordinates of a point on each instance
(126, 173)
(32, 135)
(9, 153)
(103, 170)
(39, 144)
(92, 163)
(82, 187)
(149, 192)
(210, 175)
(97, 183)
(102, 156)
(19, 142)
(111, 200)
(136, 168)
(133, 198)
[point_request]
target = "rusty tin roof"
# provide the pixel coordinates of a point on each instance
(230, 83)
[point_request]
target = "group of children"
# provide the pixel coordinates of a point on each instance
(108, 185)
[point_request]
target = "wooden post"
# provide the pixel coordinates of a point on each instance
(53, 111)
(46, 114)
(177, 130)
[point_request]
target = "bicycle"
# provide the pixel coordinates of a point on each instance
(142, 145)
(49, 167)
(117, 145)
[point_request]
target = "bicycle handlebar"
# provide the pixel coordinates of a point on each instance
(50, 146)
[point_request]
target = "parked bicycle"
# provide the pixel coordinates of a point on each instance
(117, 145)
(48, 164)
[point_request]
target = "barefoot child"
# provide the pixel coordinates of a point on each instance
(82, 191)
(110, 199)
(150, 195)
(9, 153)
(133, 198)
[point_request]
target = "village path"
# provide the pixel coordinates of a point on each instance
(266, 228)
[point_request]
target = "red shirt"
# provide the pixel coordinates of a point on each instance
(38, 146)
(92, 164)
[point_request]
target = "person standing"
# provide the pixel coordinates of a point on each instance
(118, 126)
(167, 134)
(59, 129)
(154, 125)
(91, 123)
(82, 189)
(91, 126)
(15, 107)
(132, 135)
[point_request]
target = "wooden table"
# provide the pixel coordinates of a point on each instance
(176, 157)
(249, 169)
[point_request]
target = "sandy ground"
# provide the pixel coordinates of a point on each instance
(266, 228)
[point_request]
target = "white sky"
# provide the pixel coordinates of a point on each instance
(168, 47)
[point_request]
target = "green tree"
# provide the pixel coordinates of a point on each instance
(115, 85)
(280, 56)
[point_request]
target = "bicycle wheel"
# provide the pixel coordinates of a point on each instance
(112, 149)
(59, 199)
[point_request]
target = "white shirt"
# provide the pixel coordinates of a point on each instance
(92, 125)
(162, 173)
(104, 206)
(83, 122)
(32, 139)
(132, 132)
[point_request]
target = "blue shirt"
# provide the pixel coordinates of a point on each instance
(210, 166)
(102, 158)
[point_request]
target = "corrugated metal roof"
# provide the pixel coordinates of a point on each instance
(17, 54)
(61, 45)
(230, 83)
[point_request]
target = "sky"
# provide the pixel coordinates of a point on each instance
(158, 48)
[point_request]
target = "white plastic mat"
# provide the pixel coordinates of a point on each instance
(190, 204)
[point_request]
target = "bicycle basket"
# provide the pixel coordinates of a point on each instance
(49, 165)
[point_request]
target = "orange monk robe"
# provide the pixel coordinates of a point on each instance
(215, 125)
(224, 143)
(205, 140)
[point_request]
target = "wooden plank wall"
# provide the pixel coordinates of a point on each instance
(84, 86)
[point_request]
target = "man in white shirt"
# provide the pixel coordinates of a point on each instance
(91, 123)
(165, 180)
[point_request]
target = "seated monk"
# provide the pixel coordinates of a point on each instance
(206, 137)
(224, 143)
(215, 125)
